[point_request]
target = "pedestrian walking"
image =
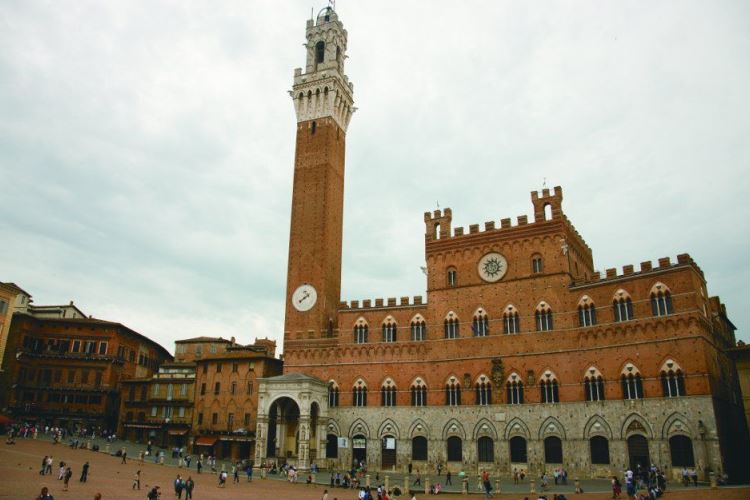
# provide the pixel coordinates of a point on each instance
(235, 474)
(124, 456)
(418, 481)
(61, 471)
(66, 479)
(48, 467)
(84, 472)
(486, 484)
(448, 478)
(137, 480)
(189, 485)
(44, 466)
(154, 494)
(199, 465)
(178, 487)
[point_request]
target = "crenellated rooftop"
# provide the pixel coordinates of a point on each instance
(611, 274)
(390, 302)
(438, 224)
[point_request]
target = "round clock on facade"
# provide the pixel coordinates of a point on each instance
(492, 267)
(304, 297)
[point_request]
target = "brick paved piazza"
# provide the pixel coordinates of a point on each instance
(19, 478)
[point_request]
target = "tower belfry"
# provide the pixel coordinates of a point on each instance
(323, 102)
(323, 90)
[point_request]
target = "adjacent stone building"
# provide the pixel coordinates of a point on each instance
(226, 393)
(66, 371)
(522, 355)
(160, 408)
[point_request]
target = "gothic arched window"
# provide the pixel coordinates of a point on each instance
(389, 330)
(453, 392)
(418, 328)
(333, 394)
(543, 317)
(480, 326)
(483, 390)
(593, 385)
(632, 384)
(514, 389)
(661, 301)
(586, 312)
(622, 306)
(450, 326)
(360, 332)
(511, 323)
(418, 393)
(549, 388)
(388, 393)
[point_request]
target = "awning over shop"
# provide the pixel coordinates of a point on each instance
(177, 432)
(143, 426)
(206, 441)
(244, 439)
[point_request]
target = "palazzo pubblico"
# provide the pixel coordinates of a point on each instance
(521, 355)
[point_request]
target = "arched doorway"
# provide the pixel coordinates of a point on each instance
(388, 452)
(638, 452)
(359, 449)
(332, 446)
(283, 429)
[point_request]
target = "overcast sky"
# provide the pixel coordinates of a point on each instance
(146, 148)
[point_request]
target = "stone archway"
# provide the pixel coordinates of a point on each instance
(292, 411)
(283, 429)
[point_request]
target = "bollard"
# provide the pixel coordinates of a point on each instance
(426, 485)
(497, 485)
(406, 484)
(387, 483)
(367, 481)
(314, 478)
(712, 478)
(578, 485)
(465, 487)
(532, 486)
(161, 459)
(106, 449)
(88, 445)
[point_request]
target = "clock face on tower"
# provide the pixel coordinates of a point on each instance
(492, 267)
(304, 297)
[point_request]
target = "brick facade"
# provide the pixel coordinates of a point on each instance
(67, 371)
(511, 307)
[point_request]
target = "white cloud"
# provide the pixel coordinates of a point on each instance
(147, 147)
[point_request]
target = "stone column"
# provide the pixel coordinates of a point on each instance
(465, 486)
(532, 486)
(322, 443)
(406, 485)
(303, 454)
(426, 484)
(261, 440)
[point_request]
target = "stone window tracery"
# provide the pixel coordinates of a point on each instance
(511, 322)
(359, 394)
(543, 316)
(453, 392)
(389, 330)
(632, 384)
(483, 390)
(661, 300)
(514, 388)
(536, 264)
(622, 306)
(586, 312)
(333, 394)
(480, 325)
(549, 388)
(450, 326)
(388, 393)
(418, 393)
(418, 328)
(672, 380)
(361, 331)
(593, 385)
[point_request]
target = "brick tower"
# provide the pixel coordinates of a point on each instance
(323, 102)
